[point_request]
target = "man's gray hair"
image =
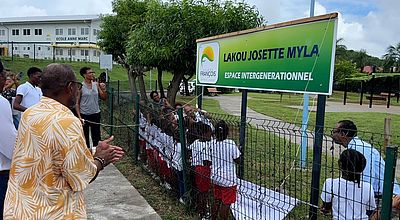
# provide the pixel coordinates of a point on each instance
(55, 77)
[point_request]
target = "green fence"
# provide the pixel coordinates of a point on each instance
(273, 185)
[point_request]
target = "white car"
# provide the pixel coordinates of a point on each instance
(191, 87)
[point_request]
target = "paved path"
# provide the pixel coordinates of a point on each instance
(111, 196)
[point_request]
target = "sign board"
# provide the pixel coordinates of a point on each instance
(296, 56)
(106, 61)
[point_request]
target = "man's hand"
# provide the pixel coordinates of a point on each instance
(108, 152)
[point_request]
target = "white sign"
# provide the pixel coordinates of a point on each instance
(106, 61)
(208, 62)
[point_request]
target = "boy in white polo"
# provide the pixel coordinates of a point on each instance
(29, 93)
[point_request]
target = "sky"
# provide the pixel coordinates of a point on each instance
(372, 25)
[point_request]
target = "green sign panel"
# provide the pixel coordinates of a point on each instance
(291, 57)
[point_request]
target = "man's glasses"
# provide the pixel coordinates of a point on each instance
(78, 84)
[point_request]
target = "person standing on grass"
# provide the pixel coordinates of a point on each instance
(348, 197)
(345, 134)
(29, 93)
(10, 93)
(225, 156)
(87, 106)
(51, 165)
(8, 135)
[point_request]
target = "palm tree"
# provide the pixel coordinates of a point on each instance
(392, 57)
(340, 49)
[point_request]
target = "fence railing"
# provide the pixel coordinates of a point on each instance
(201, 166)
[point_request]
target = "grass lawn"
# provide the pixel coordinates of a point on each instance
(370, 124)
(118, 72)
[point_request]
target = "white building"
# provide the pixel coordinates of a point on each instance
(51, 37)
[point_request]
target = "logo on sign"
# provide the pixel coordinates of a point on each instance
(209, 60)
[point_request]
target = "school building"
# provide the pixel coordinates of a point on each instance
(71, 37)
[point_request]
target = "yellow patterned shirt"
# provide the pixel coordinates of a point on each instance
(51, 165)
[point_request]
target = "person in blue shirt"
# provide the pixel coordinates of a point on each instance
(345, 134)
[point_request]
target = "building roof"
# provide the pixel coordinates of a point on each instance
(49, 19)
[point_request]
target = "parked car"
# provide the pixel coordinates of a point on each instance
(191, 87)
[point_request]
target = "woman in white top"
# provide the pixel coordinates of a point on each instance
(87, 106)
(348, 197)
(225, 156)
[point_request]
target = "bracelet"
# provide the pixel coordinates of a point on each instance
(102, 162)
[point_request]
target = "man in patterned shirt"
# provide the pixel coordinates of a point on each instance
(51, 165)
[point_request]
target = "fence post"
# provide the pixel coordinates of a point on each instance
(182, 139)
(345, 92)
(118, 93)
(388, 181)
(136, 128)
(111, 110)
(362, 92)
(12, 50)
(317, 149)
(199, 91)
(387, 132)
(242, 132)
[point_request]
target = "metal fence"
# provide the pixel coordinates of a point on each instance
(273, 181)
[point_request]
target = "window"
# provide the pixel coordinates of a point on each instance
(59, 31)
(95, 53)
(39, 48)
(28, 48)
(38, 31)
(24, 48)
(26, 31)
(15, 48)
(15, 32)
(95, 32)
(59, 51)
(71, 31)
(84, 52)
(84, 31)
(71, 52)
(2, 32)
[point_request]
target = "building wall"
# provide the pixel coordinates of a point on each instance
(63, 40)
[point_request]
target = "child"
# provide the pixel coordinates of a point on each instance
(201, 162)
(225, 154)
(348, 197)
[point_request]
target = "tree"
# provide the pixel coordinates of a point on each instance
(392, 56)
(343, 69)
(341, 49)
(167, 40)
(114, 36)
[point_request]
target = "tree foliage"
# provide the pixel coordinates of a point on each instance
(392, 56)
(344, 69)
(167, 38)
(114, 35)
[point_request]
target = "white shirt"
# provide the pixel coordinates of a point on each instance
(8, 134)
(223, 168)
(177, 157)
(200, 152)
(348, 200)
(30, 94)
